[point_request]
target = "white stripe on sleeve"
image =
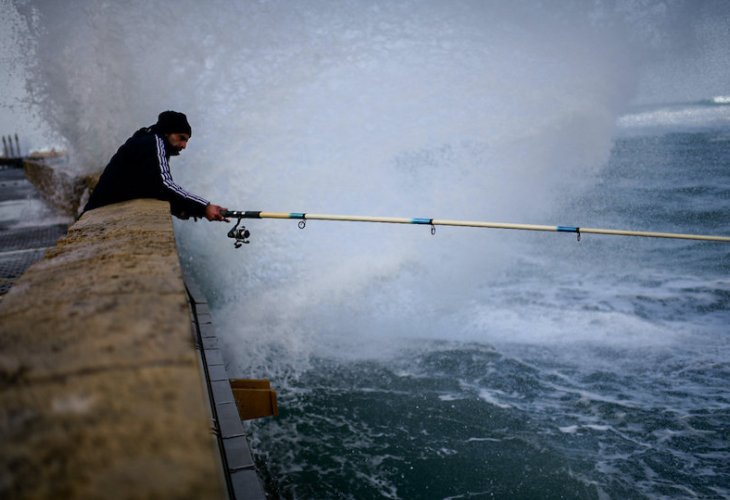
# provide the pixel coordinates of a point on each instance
(167, 177)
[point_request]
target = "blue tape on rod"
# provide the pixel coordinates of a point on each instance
(296, 215)
(419, 220)
(567, 229)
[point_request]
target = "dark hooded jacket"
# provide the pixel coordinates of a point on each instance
(141, 169)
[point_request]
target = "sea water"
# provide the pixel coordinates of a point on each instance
(471, 363)
(591, 369)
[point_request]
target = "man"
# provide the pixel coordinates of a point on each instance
(141, 169)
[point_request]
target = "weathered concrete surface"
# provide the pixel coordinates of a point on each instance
(100, 392)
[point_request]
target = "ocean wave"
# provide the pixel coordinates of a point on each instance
(713, 112)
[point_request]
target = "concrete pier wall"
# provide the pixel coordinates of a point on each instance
(100, 390)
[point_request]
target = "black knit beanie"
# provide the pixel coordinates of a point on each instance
(172, 122)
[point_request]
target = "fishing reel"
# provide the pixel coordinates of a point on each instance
(240, 234)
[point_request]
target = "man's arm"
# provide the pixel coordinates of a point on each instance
(182, 203)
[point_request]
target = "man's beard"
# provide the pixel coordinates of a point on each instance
(174, 151)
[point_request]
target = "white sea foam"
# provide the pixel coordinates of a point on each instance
(483, 439)
(680, 117)
(492, 397)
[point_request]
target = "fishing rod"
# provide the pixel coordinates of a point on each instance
(241, 234)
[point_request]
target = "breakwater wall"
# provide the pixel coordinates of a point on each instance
(101, 394)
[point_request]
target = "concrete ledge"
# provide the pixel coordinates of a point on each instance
(100, 391)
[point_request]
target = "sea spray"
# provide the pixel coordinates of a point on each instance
(472, 110)
(432, 118)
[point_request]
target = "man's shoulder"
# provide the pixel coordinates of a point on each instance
(143, 135)
(144, 139)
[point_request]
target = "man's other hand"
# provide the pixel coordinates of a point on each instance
(215, 212)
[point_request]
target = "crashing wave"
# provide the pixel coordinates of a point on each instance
(694, 115)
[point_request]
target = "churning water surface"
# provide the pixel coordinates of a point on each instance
(592, 369)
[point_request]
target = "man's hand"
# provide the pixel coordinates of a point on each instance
(215, 212)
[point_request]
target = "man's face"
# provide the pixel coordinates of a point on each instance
(178, 142)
